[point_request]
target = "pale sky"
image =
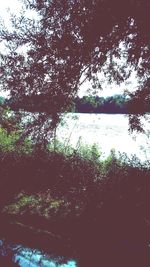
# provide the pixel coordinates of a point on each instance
(15, 6)
(110, 89)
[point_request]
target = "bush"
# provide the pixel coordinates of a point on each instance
(102, 202)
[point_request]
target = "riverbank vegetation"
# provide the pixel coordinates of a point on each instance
(74, 194)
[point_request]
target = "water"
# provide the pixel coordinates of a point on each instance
(108, 131)
(27, 257)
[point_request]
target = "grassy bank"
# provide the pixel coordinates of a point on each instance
(73, 202)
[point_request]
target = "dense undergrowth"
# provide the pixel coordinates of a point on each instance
(101, 205)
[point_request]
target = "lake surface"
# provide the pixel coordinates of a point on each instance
(108, 131)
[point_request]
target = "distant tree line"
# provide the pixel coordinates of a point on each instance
(116, 104)
(86, 104)
(96, 104)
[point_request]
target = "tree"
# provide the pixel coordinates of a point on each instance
(70, 42)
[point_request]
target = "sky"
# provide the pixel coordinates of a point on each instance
(111, 89)
(15, 6)
(6, 5)
(12, 4)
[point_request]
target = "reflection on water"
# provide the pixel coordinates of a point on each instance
(107, 131)
(17, 255)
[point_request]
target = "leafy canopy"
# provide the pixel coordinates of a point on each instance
(68, 42)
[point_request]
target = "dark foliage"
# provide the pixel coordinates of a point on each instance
(95, 104)
(107, 218)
